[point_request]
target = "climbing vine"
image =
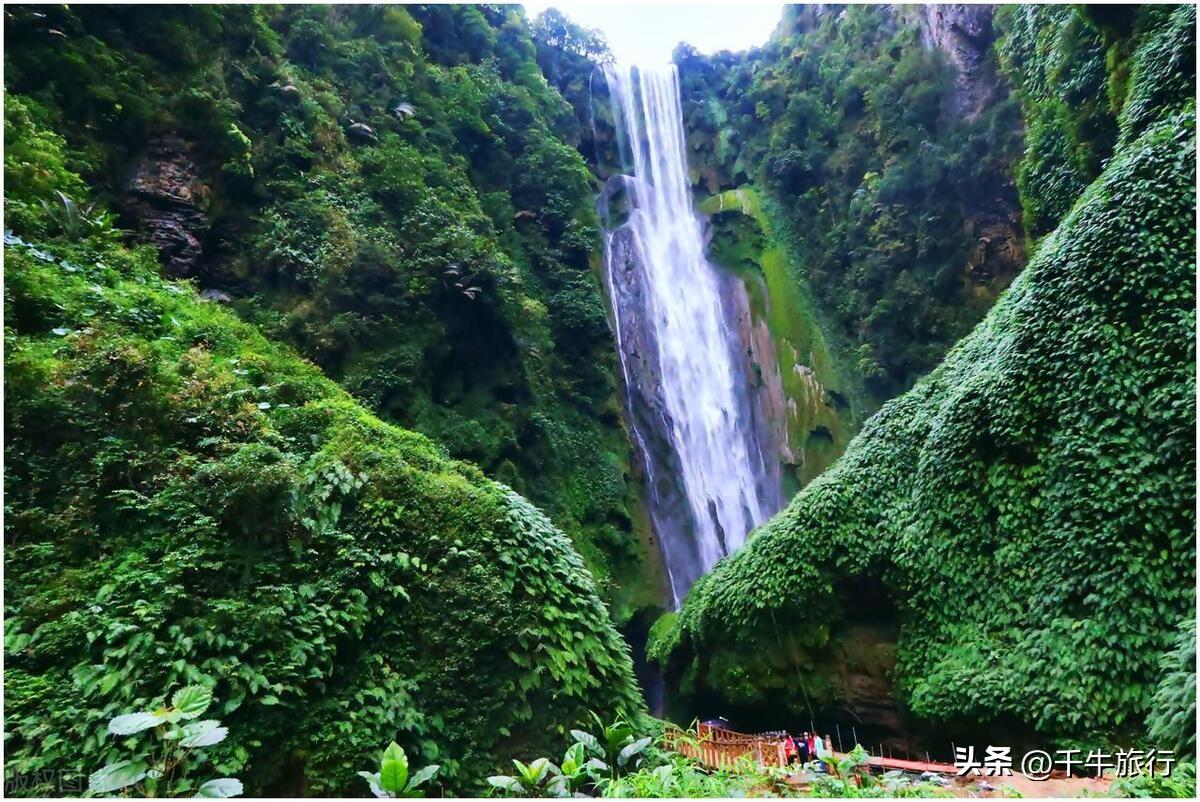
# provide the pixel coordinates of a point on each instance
(1029, 506)
(192, 505)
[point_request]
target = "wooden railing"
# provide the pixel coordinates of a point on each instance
(719, 748)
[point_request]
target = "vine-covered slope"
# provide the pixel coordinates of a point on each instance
(394, 191)
(186, 502)
(1057, 61)
(189, 502)
(1029, 506)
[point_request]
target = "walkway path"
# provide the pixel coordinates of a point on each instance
(717, 747)
(720, 748)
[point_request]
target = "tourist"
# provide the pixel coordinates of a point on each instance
(802, 748)
(820, 754)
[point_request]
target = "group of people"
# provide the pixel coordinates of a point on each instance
(807, 747)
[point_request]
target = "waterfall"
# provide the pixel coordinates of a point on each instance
(687, 379)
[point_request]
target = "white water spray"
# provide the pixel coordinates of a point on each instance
(679, 352)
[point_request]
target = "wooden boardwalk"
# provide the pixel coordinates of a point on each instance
(720, 748)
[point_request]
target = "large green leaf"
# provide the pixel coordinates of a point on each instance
(632, 750)
(203, 733)
(192, 701)
(130, 723)
(116, 776)
(510, 784)
(422, 776)
(574, 758)
(393, 769)
(222, 788)
(372, 779)
(588, 740)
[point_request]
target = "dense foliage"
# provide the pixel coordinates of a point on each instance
(166, 767)
(884, 194)
(1029, 506)
(1172, 719)
(393, 190)
(310, 504)
(616, 763)
(1057, 61)
(187, 503)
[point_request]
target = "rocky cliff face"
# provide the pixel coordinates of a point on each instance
(166, 198)
(964, 33)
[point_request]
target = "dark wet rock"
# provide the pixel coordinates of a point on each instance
(998, 253)
(362, 132)
(165, 197)
(220, 296)
(616, 200)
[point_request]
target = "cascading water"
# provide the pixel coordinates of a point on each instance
(686, 375)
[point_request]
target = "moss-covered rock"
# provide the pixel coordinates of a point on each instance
(821, 400)
(1030, 505)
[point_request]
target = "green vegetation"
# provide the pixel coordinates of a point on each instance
(161, 768)
(1056, 60)
(393, 779)
(1180, 785)
(824, 393)
(1028, 508)
(285, 463)
(188, 503)
(592, 762)
(1172, 718)
(883, 195)
(648, 768)
(394, 191)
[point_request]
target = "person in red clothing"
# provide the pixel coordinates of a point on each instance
(812, 744)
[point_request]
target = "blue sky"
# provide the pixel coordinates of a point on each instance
(646, 33)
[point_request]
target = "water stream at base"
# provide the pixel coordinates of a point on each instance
(686, 374)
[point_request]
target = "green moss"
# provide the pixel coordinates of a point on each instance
(823, 404)
(1029, 506)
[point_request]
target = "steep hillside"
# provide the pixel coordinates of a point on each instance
(187, 502)
(882, 143)
(1059, 63)
(392, 190)
(1025, 514)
